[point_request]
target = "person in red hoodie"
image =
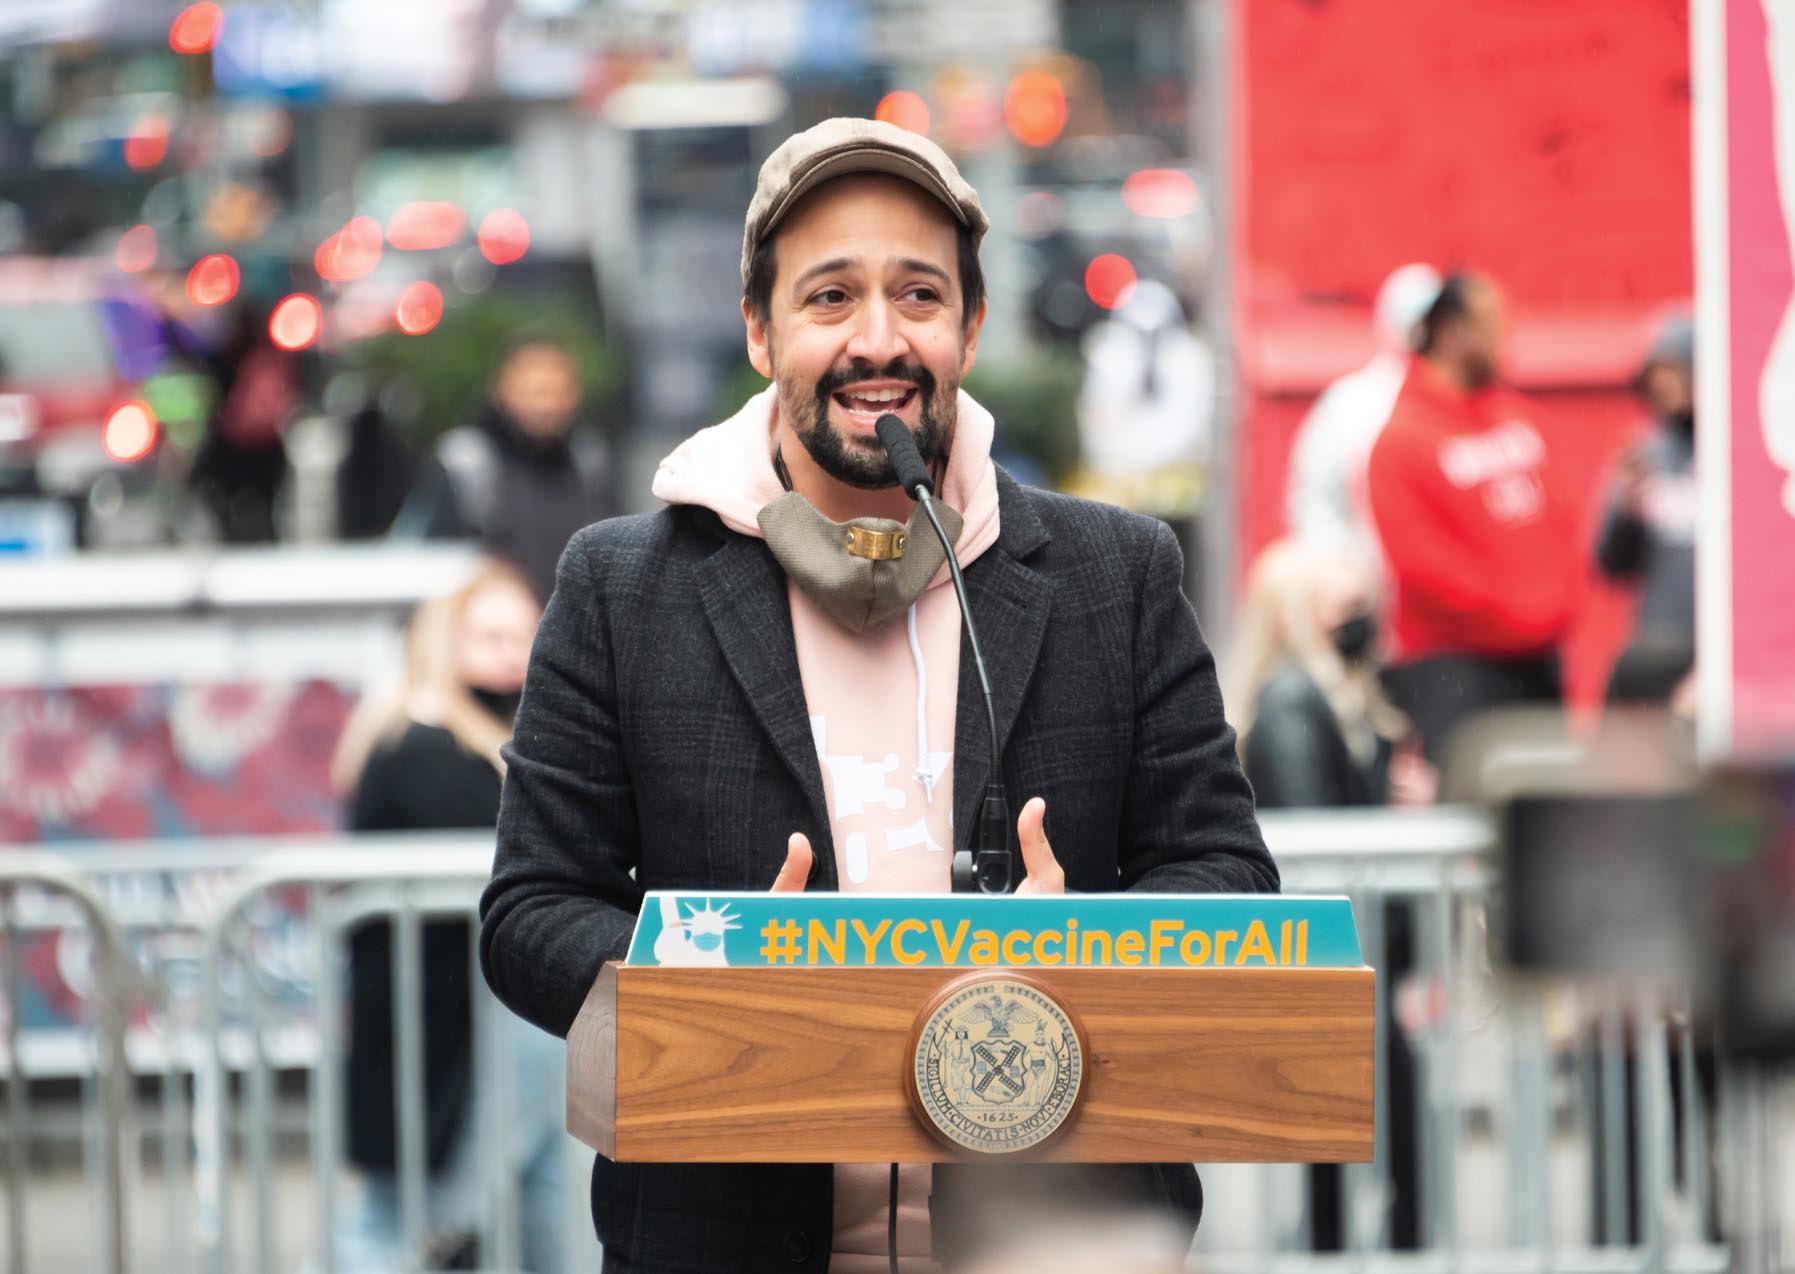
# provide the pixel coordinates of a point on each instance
(1475, 527)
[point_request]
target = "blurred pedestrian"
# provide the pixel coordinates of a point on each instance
(427, 757)
(1314, 724)
(1146, 408)
(1473, 523)
(526, 474)
(1648, 538)
(1317, 731)
(241, 463)
(375, 474)
(1327, 460)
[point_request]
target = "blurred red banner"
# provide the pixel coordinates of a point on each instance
(1747, 467)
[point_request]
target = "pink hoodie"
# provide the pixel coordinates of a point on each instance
(882, 708)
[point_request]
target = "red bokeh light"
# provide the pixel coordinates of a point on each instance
(504, 236)
(426, 225)
(195, 29)
(1108, 279)
(130, 432)
(350, 253)
(147, 145)
(906, 110)
(1034, 107)
(213, 280)
(296, 322)
(136, 249)
(420, 308)
(1163, 194)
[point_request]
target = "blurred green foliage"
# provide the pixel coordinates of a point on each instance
(450, 365)
(737, 388)
(1035, 401)
(1034, 398)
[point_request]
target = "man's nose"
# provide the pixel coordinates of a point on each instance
(878, 334)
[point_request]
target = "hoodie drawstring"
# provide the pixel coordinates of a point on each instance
(924, 775)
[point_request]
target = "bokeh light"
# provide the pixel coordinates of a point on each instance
(296, 322)
(420, 308)
(147, 145)
(905, 109)
(504, 236)
(426, 225)
(130, 432)
(195, 29)
(350, 253)
(1034, 107)
(272, 133)
(213, 280)
(136, 250)
(1162, 194)
(1108, 279)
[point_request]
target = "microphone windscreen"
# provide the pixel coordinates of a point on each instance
(905, 458)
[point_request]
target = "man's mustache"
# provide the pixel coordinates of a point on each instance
(835, 381)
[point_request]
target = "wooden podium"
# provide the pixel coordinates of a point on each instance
(815, 1065)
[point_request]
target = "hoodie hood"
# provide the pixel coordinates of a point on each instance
(728, 469)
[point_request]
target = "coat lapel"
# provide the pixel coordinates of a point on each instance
(744, 597)
(1011, 603)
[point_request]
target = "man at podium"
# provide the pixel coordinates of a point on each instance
(764, 685)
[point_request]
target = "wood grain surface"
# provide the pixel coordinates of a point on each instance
(807, 1065)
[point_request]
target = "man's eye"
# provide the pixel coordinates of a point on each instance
(830, 296)
(924, 294)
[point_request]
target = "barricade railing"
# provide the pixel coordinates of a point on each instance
(106, 1078)
(1520, 1093)
(404, 883)
(1522, 1159)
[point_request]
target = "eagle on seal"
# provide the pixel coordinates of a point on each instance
(1000, 1013)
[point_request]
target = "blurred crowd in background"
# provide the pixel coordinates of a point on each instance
(1383, 306)
(461, 268)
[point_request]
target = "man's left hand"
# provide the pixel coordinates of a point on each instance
(1045, 876)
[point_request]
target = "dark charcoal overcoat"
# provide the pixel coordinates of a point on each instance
(664, 733)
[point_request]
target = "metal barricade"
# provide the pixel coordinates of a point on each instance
(404, 882)
(1522, 1159)
(1520, 1124)
(65, 899)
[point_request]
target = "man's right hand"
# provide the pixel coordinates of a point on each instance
(798, 860)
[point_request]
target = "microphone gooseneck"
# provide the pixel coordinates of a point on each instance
(989, 868)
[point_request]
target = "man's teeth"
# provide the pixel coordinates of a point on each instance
(879, 395)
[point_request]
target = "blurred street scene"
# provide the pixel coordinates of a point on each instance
(325, 323)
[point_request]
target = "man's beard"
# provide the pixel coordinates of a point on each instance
(862, 462)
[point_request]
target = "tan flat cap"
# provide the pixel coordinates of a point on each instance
(837, 147)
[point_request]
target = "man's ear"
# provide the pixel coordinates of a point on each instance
(760, 353)
(973, 325)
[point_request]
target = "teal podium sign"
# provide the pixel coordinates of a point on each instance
(832, 930)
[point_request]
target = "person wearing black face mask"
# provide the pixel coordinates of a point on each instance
(1314, 724)
(1316, 730)
(1648, 539)
(1355, 638)
(427, 757)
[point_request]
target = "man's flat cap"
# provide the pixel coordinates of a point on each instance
(838, 147)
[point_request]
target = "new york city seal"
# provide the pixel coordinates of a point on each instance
(998, 1064)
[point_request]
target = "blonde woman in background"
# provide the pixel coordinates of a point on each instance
(1314, 725)
(425, 756)
(1316, 730)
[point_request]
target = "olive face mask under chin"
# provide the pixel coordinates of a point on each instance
(861, 573)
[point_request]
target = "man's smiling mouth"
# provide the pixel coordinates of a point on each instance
(876, 402)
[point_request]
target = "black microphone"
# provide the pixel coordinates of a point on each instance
(990, 866)
(900, 448)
